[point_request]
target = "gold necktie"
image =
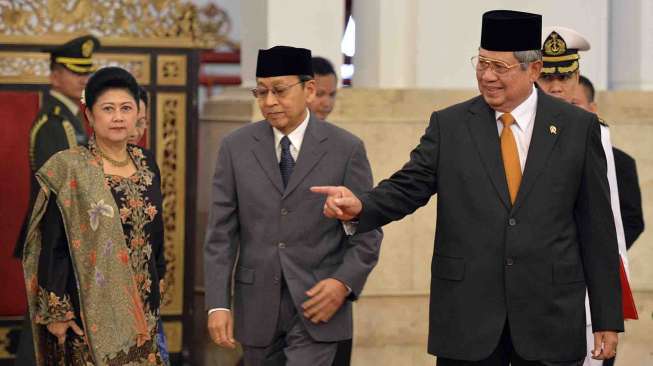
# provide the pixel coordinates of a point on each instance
(510, 156)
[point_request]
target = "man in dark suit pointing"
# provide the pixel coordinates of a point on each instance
(524, 222)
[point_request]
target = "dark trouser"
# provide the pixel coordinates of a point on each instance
(25, 353)
(292, 345)
(343, 354)
(504, 355)
(609, 362)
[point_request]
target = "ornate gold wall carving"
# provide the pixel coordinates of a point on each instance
(171, 70)
(24, 67)
(4, 341)
(159, 23)
(137, 64)
(34, 67)
(171, 155)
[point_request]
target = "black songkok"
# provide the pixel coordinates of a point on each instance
(508, 30)
(284, 60)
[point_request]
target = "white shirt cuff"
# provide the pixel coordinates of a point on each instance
(350, 227)
(218, 309)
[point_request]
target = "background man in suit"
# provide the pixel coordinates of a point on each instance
(630, 196)
(296, 269)
(326, 87)
(521, 221)
(58, 126)
(143, 122)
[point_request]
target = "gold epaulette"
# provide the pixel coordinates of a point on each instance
(70, 133)
(32, 137)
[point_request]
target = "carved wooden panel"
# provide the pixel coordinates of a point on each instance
(171, 70)
(171, 156)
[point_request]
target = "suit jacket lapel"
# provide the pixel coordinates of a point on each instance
(542, 142)
(310, 153)
(266, 156)
(483, 128)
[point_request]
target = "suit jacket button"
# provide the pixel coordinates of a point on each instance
(512, 222)
(276, 279)
(282, 245)
(284, 212)
(510, 261)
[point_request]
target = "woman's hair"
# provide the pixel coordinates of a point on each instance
(109, 78)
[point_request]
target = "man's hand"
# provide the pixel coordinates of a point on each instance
(221, 328)
(59, 329)
(340, 204)
(605, 345)
(326, 297)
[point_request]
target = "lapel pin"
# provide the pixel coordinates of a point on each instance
(553, 130)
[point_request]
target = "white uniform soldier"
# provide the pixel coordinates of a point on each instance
(559, 77)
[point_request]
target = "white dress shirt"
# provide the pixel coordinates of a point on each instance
(522, 129)
(296, 138)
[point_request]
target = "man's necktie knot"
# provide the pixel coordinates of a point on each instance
(507, 119)
(285, 144)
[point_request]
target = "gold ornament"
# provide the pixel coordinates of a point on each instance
(554, 45)
(87, 48)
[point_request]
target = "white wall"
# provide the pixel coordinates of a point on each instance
(314, 24)
(428, 43)
(386, 47)
(632, 44)
(449, 33)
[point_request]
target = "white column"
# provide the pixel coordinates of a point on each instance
(631, 44)
(314, 24)
(385, 43)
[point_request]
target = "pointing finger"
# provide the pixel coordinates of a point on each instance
(326, 190)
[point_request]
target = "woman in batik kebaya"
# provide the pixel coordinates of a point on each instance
(94, 254)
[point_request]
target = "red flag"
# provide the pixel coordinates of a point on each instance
(629, 308)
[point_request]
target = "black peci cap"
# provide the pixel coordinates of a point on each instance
(509, 30)
(283, 60)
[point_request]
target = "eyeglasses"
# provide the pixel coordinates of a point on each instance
(277, 91)
(499, 67)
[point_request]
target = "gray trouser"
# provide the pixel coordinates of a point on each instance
(292, 345)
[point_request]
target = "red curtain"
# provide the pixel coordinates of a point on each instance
(18, 109)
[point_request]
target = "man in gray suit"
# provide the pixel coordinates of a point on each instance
(296, 269)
